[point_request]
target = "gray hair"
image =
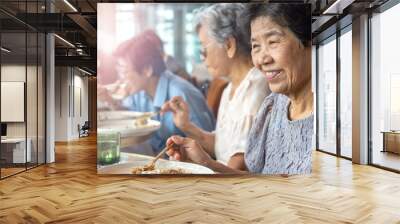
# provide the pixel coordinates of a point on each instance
(223, 22)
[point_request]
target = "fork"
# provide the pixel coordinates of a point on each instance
(152, 163)
(149, 114)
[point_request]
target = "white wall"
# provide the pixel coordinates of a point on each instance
(62, 81)
(69, 85)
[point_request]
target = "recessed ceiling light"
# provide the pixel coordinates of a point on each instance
(64, 40)
(84, 71)
(5, 50)
(338, 6)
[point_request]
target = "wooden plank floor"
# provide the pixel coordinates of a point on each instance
(387, 159)
(70, 191)
(10, 171)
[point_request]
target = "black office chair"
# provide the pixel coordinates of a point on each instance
(84, 130)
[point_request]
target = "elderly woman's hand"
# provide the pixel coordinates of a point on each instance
(187, 150)
(111, 95)
(104, 95)
(180, 111)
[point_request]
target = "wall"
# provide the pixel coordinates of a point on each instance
(80, 105)
(62, 81)
(71, 102)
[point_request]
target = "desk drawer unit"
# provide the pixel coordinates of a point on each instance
(14, 152)
(392, 142)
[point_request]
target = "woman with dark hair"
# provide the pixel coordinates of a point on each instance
(280, 141)
(148, 85)
(170, 62)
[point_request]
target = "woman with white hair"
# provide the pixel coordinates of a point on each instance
(226, 52)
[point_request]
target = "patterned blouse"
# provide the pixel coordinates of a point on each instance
(276, 144)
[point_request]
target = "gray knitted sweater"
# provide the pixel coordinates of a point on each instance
(277, 145)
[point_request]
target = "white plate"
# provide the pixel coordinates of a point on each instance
(118, 115)
(127, 128)
(126, 168)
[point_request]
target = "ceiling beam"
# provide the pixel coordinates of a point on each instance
(82, 61)
(84, 24)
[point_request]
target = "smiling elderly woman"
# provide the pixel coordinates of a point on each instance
(280, 141)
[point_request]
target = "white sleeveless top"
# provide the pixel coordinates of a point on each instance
(235, 116)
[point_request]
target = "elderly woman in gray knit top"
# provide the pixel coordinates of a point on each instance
(280, 140)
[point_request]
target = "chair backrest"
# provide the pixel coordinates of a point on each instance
(86, 125)
(214, 94)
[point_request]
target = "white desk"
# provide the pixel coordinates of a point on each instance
(18, 150)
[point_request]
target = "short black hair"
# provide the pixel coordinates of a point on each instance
(295, 16)
(151, 34)
(142, 53)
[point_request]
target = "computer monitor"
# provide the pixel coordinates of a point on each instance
(3, 129)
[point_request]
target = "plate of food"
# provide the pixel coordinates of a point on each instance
(161, 167)
(128, 123)
(134, 127)
(130, 128)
